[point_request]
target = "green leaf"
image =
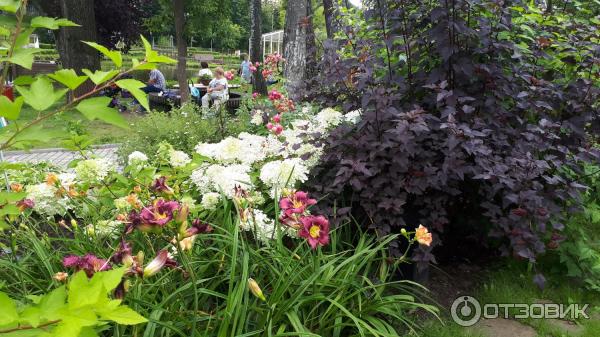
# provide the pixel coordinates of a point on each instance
(83, 293)
(69, 78)
(10, 5)
(10, 109)
(8, 310)
(51, 23)
(124, 315)
(41, 94)
(152, 56)
(31, 316)
(52, 302)
(114, 55)
(142, 66)
(24, 80)
(99, 77)
(7, 197)
(97, 108)
(134, 87)
(109, 279)
(23, 57)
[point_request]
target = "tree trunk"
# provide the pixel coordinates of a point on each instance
(256, 50)
(73, 53)
(298, 47)
(330, 12)
(179, 15)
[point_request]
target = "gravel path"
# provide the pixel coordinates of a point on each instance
(58, 156)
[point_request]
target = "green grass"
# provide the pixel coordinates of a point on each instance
(512, 283)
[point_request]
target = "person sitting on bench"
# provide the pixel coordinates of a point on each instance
(217, 89)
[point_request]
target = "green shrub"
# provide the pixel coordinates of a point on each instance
(183, 128)
(579, 249)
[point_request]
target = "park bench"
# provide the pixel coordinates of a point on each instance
(209, 58)
(165, 102)
(36, 69)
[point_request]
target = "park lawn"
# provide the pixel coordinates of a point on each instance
(511, 282)
(72, 122)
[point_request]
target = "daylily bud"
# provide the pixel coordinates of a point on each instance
(403, 231)
(60, 276)
(74, 223)
(140, 257)
(184, 211)
(255, 289)
(157, 264)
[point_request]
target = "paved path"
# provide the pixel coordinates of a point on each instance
(57, 156)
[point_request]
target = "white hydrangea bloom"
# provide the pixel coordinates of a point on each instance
(93, 170)
(218, 178)
(280, 174)
(273, 146)
(178, 158)
(103, 228)
(259, 223)
(45, 199)
(137, 158)
(353, 117)
(207, 149)
(67, 179)
(329, 118)
(210, 200)
(257, 118)
(122, 204)
(226, 178)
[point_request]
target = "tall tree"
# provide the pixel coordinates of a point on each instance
(179, 15)
(329, 10)
(258, 81)
(73, 53)
(299, 48)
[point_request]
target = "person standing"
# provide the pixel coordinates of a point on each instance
(245, 69)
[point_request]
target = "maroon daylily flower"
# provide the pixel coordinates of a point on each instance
(296, 203)
(160, 185)
(133, 221)
(25, 204)
(198, 227)
(315, 230)
(159, 214)
(123, 254)
(88, 263)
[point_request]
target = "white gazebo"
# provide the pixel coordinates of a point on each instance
(272, 43)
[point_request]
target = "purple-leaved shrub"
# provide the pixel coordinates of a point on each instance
(456, 116)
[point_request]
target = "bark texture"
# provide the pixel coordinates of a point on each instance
(298, 47)
(74, 54)
(256, 48)
(179, 15)
(330, 12)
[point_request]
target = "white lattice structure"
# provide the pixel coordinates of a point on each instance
(272, 43)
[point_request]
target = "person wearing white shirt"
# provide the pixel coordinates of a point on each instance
(204, 70)
(217, 89)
